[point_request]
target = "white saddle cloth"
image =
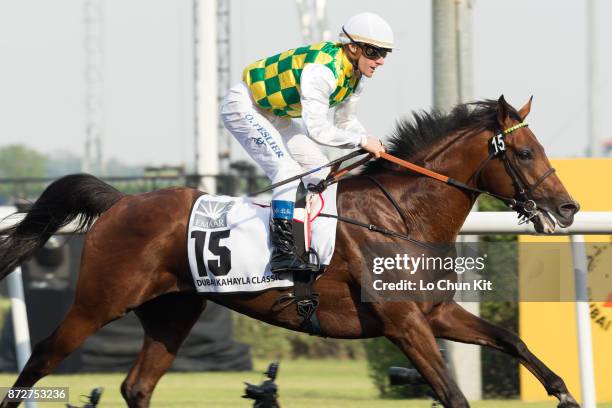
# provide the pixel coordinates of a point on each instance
(228, 244)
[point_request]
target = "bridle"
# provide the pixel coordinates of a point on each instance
(525, 205)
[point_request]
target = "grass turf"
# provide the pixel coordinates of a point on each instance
(302, 383)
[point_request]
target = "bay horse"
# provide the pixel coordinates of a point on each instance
(135, 254)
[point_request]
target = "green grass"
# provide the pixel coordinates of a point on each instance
(302, 383)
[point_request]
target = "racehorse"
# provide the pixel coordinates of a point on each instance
(135, 254)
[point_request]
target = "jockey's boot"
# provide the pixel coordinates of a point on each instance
(284, 257)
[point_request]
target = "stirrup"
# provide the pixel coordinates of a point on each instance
(307, 267)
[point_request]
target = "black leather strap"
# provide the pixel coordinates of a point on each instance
(391, 199)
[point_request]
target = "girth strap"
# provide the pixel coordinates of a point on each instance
(306, 301)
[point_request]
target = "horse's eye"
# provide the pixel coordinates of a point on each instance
(525, 154)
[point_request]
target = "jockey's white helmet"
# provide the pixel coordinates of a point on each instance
(367, 28)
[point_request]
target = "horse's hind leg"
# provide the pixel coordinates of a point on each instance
(453, 322)
(409, 330)
(167, 321)
(76, 327)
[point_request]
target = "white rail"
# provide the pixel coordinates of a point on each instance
(585, 223)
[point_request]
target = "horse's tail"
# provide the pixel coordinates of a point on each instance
(81, 197)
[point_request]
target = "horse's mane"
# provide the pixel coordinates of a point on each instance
(414, 135)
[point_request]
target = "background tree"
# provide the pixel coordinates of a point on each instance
(18, 161)
(21, 161)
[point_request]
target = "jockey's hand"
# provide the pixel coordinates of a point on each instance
(373, 145)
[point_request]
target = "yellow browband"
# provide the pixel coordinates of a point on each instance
(513, 128)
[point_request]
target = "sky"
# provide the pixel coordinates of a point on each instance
(520, 48)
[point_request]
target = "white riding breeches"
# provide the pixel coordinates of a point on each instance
(279, 145)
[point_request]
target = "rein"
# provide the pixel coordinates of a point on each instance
(525, 206)
(334, 164)
(445, 179)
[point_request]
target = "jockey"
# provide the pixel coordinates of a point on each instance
(279, 113)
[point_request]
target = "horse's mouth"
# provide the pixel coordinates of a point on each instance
(544, 222)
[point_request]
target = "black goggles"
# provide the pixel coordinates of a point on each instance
(370, 51)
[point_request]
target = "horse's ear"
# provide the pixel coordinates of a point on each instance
(524, 111)
(503, 111)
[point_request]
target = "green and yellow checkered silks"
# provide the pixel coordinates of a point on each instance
(275, 81)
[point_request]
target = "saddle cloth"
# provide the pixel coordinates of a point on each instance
(228, 242)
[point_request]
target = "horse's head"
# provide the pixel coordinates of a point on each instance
(518, 167)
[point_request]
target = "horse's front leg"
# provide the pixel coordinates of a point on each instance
(451, 321)
(407, 327)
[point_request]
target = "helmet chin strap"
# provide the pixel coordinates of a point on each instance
(355, 64)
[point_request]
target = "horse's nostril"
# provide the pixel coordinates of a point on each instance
(569, 208)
